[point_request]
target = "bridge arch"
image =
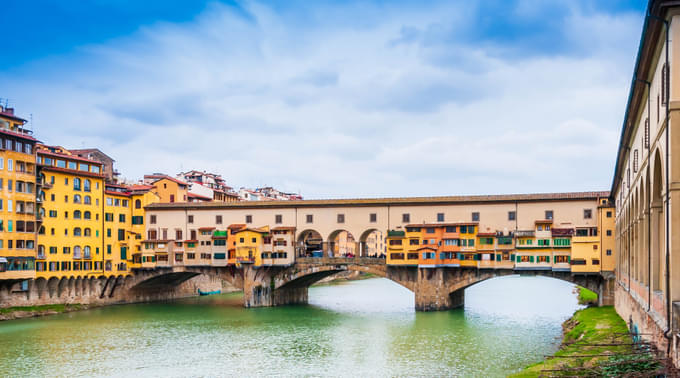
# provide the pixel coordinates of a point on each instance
(371, 243)
(308, 241)
(342, 243)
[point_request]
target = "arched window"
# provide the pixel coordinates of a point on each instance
(86, 185)
(41, 250)
(87, 232)
(87, 250)
(87, 200)
(42, 212)
(76, 183)
(77, 232)
(138, 204)
(42, 195)
(76, 214)
(76, 251)
(87, 215)
(77, 198)
(41, 231)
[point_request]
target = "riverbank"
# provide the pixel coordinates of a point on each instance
(595, 342)
(21, 312)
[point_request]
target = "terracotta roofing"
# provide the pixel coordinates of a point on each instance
(161, 177)
(405, 201)
(18, 135)
(11, 115)
(66, 156)
(75, 172)
(430, 225)
(198, 196)
(206, 228)
(426, 247)
(544, 221)
(89, 150)
(237, 225)
(115, 193)
(283, 228)
(138, 187)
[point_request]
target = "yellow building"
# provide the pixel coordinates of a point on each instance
(72, 203)
(140, 196)
(607, 225)
(168, 189)
(250, 245)
(585, 250)
(117, 226)
(395, 248)
(19, 223)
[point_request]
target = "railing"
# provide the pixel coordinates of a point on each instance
(520, 234)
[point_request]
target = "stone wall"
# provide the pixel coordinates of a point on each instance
(102, 290)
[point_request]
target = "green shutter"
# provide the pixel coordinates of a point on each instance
(531, 258)
(547, 259)
(123, 253)
(519, 258)
(568, 259)
(498, 257)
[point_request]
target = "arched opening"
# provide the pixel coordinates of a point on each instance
(658, 224)
(372, 244)
(309, 244)
(341, 243)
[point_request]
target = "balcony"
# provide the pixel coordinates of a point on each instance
(395, 233)
(524, 234)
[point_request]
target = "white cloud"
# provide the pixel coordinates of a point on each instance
(392, 104)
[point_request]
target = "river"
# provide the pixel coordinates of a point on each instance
(364, 328)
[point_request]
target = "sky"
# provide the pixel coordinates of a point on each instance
(332, 99)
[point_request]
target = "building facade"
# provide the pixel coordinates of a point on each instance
(18, 202)
(646, 184)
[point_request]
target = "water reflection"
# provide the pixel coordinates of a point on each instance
(361, 328)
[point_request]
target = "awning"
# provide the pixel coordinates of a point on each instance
(3, 260)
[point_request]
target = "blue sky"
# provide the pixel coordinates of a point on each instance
(335, 99)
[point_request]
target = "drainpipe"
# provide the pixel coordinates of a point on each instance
(667, 88)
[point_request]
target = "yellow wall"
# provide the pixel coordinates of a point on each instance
(249, 243)
(59, 230)
(585, 248)
(166, 188)
(17, 246)
(117, 219)
(608, 242)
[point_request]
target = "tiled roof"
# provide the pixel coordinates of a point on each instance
(18, 135)
(11, 116)
(65, 156)
(507, 198)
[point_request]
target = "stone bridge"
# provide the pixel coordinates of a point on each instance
(434, 288)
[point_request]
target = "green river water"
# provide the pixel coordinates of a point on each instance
(362, 328)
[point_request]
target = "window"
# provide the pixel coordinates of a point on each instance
(137, 219)
(429, 230)
(249, 219)
(475, 217)
(10, 165)
(609, 214)
(512, 215)
(218, 219)
(278, 218)
(87, 200)
(77, 231)
(77, 214)
(76, 183)
(152, 219)
(440, 217)
(609, 232)
(372, 217)
(108, 217)
(548, 214)
(77, 198)
(138, 204)
(310, 218)
(596, 261)
(178, 234)
(53, 213)
(587, 213)
(609, 252)
(405, 218)
(87, 232)
(121, 234)
(172, 197)
(121, 218)
(86, 185)
(190, 219)
(341, 218)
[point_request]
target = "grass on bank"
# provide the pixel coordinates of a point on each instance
(593, 325)
(43, 308)
(586, 297)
